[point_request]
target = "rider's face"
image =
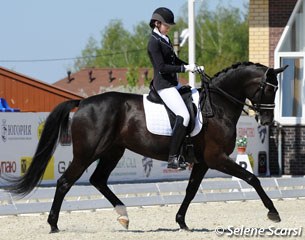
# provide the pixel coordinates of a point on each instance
(164, 28)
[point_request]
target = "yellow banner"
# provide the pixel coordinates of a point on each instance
(25, 163)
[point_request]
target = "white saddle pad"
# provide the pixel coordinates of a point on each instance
(157, 120)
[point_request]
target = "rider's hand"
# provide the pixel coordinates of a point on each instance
(190, 68)
(194, 68)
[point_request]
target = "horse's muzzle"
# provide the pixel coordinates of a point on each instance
(265, 118)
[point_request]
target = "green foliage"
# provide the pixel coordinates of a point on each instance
(114, 46)
(138, 44)
(87, 58)
(221, 40)
(132, 76)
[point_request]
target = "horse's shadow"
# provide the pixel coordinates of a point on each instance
(169, 230)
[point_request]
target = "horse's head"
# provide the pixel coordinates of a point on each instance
(261, 90)
(248, 80)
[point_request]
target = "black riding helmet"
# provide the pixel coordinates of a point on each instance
(163, 15)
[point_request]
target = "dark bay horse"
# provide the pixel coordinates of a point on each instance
(105, 125)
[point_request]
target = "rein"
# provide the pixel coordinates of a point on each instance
(234, 99)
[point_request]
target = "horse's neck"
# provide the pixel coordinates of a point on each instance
(236, 82)
(226, 109)
(233, 85)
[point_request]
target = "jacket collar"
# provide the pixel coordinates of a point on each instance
(161, 39)
(165, 37)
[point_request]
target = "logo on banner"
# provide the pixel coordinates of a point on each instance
(262, 131)
(15, 131)
(25, 163)
(7, 167)
(147, 164)
(3, 130)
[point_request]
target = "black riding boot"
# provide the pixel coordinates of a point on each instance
(178, 136)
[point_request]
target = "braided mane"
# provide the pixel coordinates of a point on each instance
(235, 66)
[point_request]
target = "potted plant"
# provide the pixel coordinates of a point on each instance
(241, 144)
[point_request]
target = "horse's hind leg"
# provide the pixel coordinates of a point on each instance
(100, 177)
(64, 183)
(229, 166)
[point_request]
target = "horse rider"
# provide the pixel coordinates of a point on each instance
(166, 65)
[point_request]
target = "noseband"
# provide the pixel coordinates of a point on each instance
(263, 106)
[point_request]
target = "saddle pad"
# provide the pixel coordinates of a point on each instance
(157, 120)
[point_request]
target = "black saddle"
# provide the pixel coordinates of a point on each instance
(186, 94)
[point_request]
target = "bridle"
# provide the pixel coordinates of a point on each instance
(257, 107)
(264, 106)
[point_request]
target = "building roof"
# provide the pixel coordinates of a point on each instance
(29, 94)
(92, 81)
(4, 72)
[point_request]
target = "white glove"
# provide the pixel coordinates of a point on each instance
(190, 68)
(194, 68)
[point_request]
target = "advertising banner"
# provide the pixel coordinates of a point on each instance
(20, 133)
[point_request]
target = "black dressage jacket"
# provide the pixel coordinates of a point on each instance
(165, 62)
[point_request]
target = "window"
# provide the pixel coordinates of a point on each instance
(290, 100)
(292, 87)
(294, 39)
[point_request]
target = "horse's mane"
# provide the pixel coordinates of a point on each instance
(236, 66)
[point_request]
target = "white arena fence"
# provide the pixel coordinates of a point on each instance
(82, 197)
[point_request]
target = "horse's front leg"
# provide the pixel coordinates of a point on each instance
(229, 166)
(197, 174)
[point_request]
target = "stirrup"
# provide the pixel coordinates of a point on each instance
(175, 162)
(182, 163)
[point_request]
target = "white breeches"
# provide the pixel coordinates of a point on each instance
(175, 103)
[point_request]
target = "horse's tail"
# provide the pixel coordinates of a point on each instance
(57, 122)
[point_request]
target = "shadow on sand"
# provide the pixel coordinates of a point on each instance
(169, 230)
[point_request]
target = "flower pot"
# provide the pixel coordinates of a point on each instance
(241, 150)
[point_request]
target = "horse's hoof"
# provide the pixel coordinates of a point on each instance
(180, 220)
(124, 221)
(54, 230)
(274, 216)
(185, 228)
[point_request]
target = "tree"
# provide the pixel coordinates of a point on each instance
(88, 56)
(138, 45)
(114, 46)
(132, 76)
(221, 40)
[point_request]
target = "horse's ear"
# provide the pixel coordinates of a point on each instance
(279, 70)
